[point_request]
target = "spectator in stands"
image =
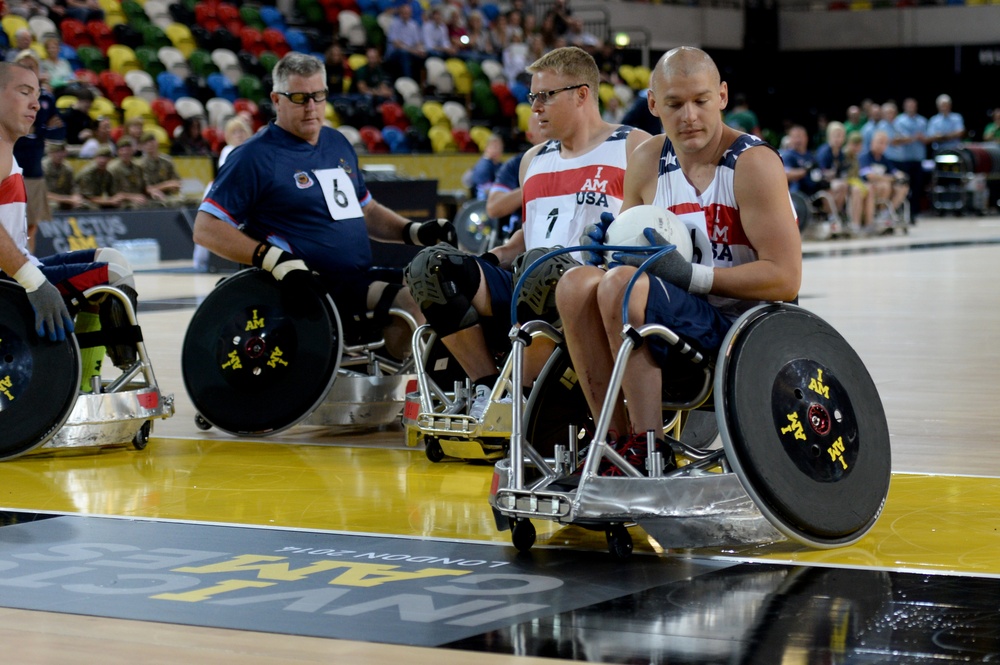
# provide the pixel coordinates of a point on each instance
(614, 110)
(609, 61)
(127, 179)
(499, 35)
(889, 184)
(480, 44)
(190, 142)
(911, 137)
(480, 177)
(741, 117)
(338, 71)
(405, 53)
(832, 159)
(100, 139)
(861, 206)
(855, 120)
(372, 79)
(134, 129)
(95, 183)
(60, 180)
(434, 32)
(801, 167)
(946, 129)
(577, 35)
(22, 42)
(874, 116)
(79, 125)
(515, 59)
(559, 14)
(992, 130)
(57, 68)
(515, 23)
(163, 183)
(29, 150)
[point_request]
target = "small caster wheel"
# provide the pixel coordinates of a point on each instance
(619, 542)
(522, 534)
(433, 451)
(201, 423)
(141, 437)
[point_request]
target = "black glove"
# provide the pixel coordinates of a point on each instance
(671, 267)
(52, 319)
(593, 235)
(430, 233)
(277, 261)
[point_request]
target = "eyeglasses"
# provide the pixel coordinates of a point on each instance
(545, 96)
(302, 97)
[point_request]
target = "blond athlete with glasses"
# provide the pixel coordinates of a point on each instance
(568, 181)
(292, 200)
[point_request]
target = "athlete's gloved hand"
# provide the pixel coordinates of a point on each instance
(593, 235)
(671, 267)
(52, 319)
(430, 233)
(277, 261)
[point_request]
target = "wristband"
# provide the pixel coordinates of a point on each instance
(701, 279)
(410, 233)
(30, 277)
(257, 260)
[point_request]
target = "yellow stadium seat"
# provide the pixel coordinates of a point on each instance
(356, 61)
(12, 23)
(182, 39)
(137, 107)
(162, 138)
(65, 102)
(642, 75)
(627, 72)
(460, 74)
(605, 92)
(331, 115)
(103, 106)
(122, 58)
(434, 112)
(480, 135)
(441, 139)
(523, 111)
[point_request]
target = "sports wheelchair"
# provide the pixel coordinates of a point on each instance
(257, 360)
(41, 405)
(805, 446)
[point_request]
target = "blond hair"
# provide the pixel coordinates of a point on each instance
(571, 62)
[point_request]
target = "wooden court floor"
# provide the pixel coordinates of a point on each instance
(921, 310)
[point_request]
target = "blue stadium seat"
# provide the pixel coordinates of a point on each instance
(222, 86)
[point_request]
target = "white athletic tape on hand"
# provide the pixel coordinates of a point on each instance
(30, 277)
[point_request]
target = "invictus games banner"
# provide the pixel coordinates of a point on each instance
(70, 231)
(377, 589)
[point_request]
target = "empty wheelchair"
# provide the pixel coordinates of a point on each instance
(804, 456)
(42, 406)
(257, 360)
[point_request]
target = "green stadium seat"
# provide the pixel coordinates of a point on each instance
(250, 88)
(201, 63)
(150, 62)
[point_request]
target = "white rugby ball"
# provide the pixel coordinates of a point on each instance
(628, 227)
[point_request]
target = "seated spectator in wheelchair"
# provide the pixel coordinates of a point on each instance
(292, 200)
(568, 181)
(52, 281)
(802, 169)
(832, 160)
(890, 185)
(726, 186)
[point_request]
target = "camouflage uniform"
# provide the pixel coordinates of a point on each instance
(60, 179)
(127, 178)
(157, 170)
(92, 182)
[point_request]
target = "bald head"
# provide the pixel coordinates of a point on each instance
(684, 62)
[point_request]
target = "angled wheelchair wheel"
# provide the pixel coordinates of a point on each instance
(556, 402)
(39, 379)
(257, 358)
(802, 425)
(474, 227)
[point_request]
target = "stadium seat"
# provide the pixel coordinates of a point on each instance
(153, 36)
(228, 63)
(393, 115)
(222, 87)
(75, 33)
(171, 86)
(480, 135)
(181, 38)
(458, 116)
(438, 76)
(189, 107)
(201, 63)
(250, 15)
(250, 87)
(134, 106)
(372, 137)
(162, 133)
(92, 58)
(86, 77)
(353, 136)
(463, 141)
(504, 98)
(272, 17)
(297, 40)
(142, 84)
(252, 40)
(101, 35)
(11, 24)
(396, 139)
(274, 40)
(460, 74)
(409, 90)
(441, 139)
(493, 70)
(122, 59)
(331, 115)
(150, 61)
(523, 112)
(174, 61)
(65, 101)
(103, 107)
(268, 59)
(127, 35)
(249, 107)
(219, 111)
(41, 26)
(227, 13)
(351, 29)
(434, 112)
(134, 12)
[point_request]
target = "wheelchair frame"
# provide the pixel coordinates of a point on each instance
(123, 410)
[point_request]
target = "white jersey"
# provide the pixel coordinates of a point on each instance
(713, 217)
(563, 196)
(14, 209)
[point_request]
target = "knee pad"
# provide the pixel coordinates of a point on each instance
(537, 297)
(443, 281)
(119, 269)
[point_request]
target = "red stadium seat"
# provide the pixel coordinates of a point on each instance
(464, 141)
(252, 40)
(248, 106)
(372, 136)
(87, 76)
(101, 35)
(274, 39)
(75, 33)
(393, 114)
(227, 13)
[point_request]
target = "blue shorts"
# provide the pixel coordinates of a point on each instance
(690, 316)
(74, 271)
(496, 328)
